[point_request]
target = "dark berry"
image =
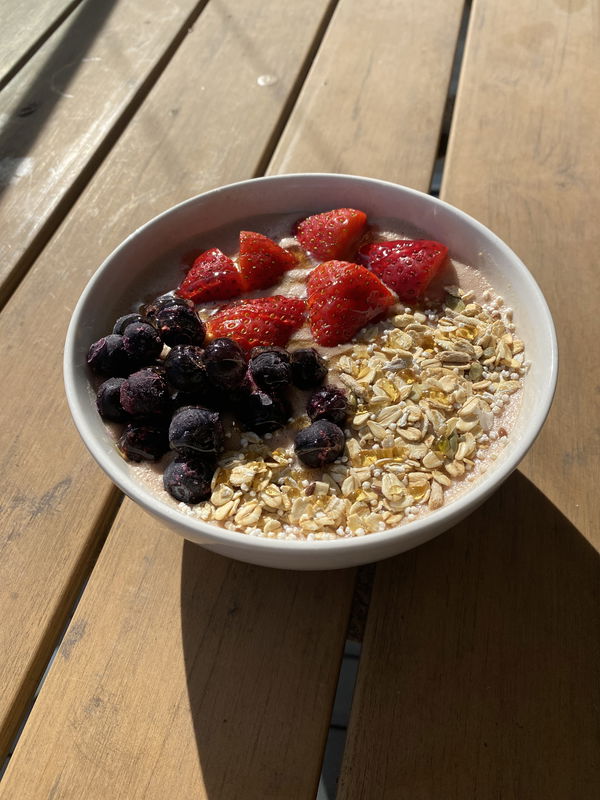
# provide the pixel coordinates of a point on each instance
(270, 369)
(142, 342)
(180, 325)
(145, 393)
(196, 432)
(108, 357)
(185, 368)
(165, 301)
(225, 364)
(143, 442)
(127, 319)
(188, 479)
(258, 411)
(328, 403)
(320, 443)
(108, 400)
(308, 368)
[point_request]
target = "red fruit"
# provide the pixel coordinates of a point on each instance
(262, 262)
(343, 298)
(213, 276)
(406, 266)
(332, 234)
(284, 310)
(263, 321)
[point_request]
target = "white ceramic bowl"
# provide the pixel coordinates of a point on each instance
(130, 267)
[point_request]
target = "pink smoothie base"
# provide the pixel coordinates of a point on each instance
(293, 284)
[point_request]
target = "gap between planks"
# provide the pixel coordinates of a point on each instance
(437, 174)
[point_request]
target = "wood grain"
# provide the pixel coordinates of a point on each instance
(23, 25)
(61, 111)
(54, 499)
(371, 102)
(185, 675)
(482, 652)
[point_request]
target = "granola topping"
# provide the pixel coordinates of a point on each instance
(430, 392)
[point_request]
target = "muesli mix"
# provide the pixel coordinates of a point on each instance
(366, 392)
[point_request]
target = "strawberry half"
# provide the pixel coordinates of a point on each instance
(343, 298)
(212, 276)
(262, 262)
(263, 321)
(406, 266)
(332, 235)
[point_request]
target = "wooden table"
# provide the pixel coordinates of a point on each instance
(180, 674)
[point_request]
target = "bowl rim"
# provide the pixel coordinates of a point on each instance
(419, 530)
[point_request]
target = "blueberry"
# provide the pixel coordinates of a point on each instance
(180, 325)
(145, 393)
(258, 411)
(320, 443)
(142, 342)
(143, 442)
(308, 368)
(188, 480)
(127, 319)
(108, 400)
(165, 301)
(196, 432)
(270, 369)
(328, 403)
(225, 364)
(108, 357)
(185, 368)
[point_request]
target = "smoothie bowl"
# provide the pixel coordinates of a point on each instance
(310, 371)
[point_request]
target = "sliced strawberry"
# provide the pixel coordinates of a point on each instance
(407, 266)
(262, 262)
(286, 311)
(262, 321)
(332, 234)
(343, 298)
(213, 276)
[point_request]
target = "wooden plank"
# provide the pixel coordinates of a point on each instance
(535, 186)
(479, 668)
(482, 652)
(132, 610)
(23, 25)
(75, 89)
(380, 87)
(187, 675)
(52, 493)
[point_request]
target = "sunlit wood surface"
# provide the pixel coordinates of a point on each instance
(181, 673)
